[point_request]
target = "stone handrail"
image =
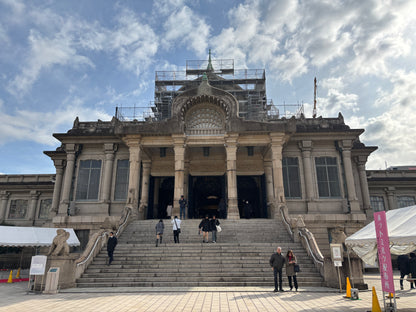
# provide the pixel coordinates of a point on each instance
(296, 226)
(311, 246)
(286, 220)
(123, 223)
(96, 242)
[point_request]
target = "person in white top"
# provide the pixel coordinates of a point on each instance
(169, 211)
(176, 222)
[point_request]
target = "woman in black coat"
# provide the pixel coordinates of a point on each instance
(204, 227)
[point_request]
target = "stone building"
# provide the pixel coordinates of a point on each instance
(211, 135)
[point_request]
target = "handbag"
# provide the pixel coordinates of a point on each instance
(296, 268)
(178, 230)
(219, 229)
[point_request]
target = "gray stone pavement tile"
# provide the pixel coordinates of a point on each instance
(13, 297)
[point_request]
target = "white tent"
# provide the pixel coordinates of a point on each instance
(32, 236)
(401, 224)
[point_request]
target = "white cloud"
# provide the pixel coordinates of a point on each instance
(185, 27)
(17, 6)
(27, 125)
(379, 35)
(165, 7)
(65, 41)
(394, 130)
(135, 43)
(4, 39)
(289, 65)
(45, 53)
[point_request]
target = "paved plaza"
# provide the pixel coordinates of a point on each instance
(13, 297)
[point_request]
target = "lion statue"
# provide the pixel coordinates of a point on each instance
(59, 245)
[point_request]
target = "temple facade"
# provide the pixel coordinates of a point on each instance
(213, 136)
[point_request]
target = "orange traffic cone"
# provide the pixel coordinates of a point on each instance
(348, 293)
(376, 305)
(10, 280)
(18, 273)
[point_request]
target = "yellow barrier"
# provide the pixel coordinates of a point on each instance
(376, 305)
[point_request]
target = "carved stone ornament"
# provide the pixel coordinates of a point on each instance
(59, 245)
(204, 120)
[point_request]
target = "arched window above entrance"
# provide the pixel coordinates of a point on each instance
(204, 120)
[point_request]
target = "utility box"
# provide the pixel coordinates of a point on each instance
(354, 294)
(52, 279)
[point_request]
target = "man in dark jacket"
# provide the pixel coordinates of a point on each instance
(276, 262)
(182, 207)
(111, 245)
(403, 266)
(412, 269)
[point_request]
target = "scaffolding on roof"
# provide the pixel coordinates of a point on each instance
(248, 86)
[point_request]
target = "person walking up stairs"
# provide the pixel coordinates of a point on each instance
(159, 231)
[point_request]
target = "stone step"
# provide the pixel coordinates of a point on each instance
(221, 279)
(166, 273)
(268, 283)
(241, 258)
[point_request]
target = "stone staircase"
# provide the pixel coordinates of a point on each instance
(239, 258)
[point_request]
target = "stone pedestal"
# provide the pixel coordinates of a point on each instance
(66, 264)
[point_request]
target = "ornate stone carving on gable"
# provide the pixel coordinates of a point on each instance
(204, 119)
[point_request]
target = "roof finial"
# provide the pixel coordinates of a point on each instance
(204, 77)
(209, 67)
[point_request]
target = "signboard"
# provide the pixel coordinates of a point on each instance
(383, 248)
(338, 263)
(336, 252)
(38, 265)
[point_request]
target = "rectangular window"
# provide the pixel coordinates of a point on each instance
(122, 179)
(327, 176)
(88, 179)
(291, 180)
(18, 208)
(45, 208)
(405, 201)
(377, 203)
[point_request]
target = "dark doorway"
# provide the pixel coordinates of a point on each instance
(204, 195)
(251, 189)
(167, 185)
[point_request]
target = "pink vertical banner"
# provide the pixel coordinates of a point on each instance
(383, 247)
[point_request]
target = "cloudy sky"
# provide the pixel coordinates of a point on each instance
(62, 59)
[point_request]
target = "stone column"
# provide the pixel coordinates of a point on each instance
(109, 150)
(144, 200)
(390, 197)
(276, 148)
(4, 197)
(134, 175)
(349, 176)
(268, 171)
(306, 148)
(361, 160)
(179, 149)
(34, 196)
(231, 151)
(69, 172)
(59, 165)
(156, 197)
